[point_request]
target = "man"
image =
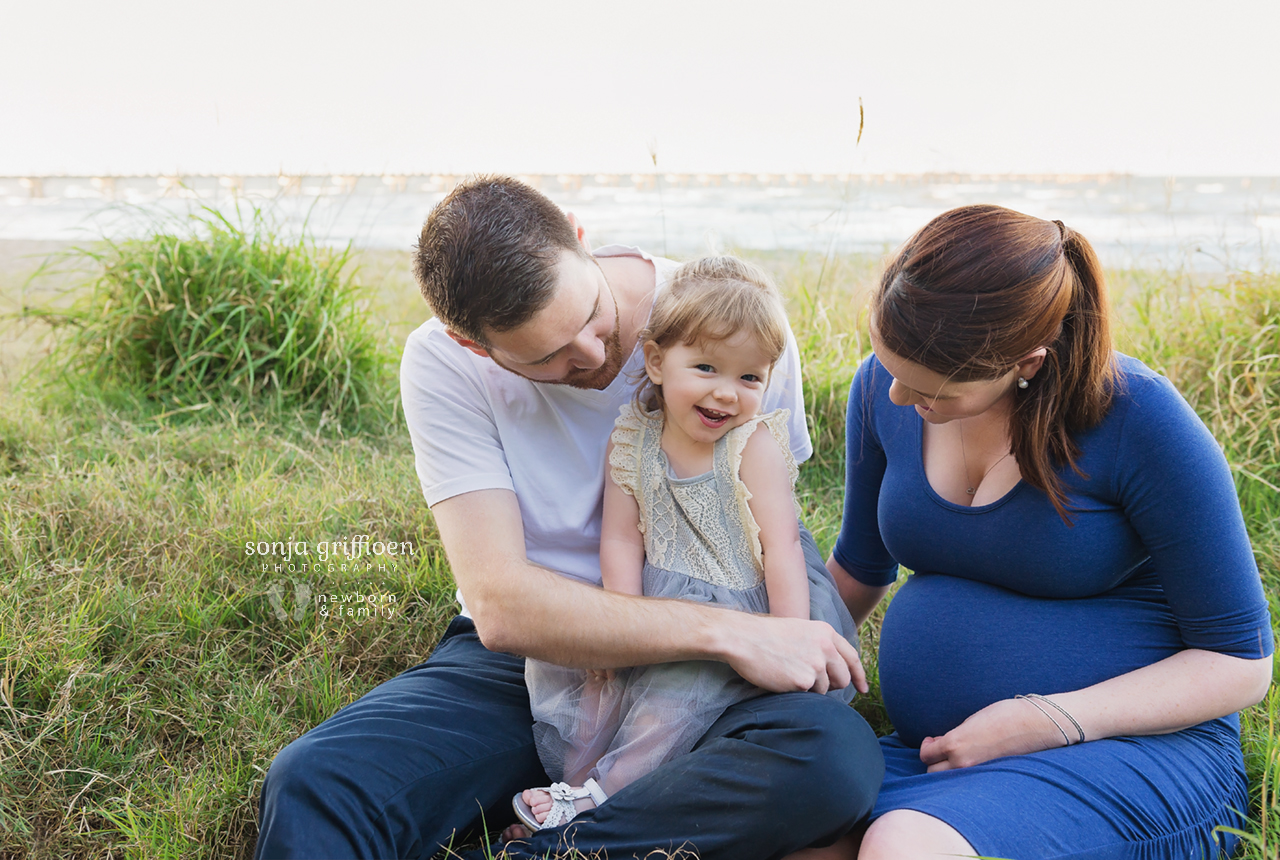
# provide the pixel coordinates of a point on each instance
(510, 394)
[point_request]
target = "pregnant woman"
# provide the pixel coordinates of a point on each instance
(1085, 616)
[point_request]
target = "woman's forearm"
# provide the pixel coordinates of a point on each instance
(1179, 691)
(858, 598)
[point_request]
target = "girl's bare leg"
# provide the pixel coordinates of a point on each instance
(905, 834)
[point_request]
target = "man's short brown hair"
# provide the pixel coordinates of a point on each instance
(485, 261)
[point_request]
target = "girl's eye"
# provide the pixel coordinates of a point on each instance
(705, 368)
(750, 377)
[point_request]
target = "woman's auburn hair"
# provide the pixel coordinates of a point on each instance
(979, 288)
(713, 299)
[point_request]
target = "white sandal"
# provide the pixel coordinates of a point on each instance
(562, 807)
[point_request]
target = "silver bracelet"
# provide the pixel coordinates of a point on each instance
(1060, 710)
(1036, 705)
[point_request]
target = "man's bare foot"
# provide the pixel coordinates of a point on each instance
(540, 802)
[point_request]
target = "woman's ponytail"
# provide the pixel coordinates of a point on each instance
(1089, 367)
(1073, 389)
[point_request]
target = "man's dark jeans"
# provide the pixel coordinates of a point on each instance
(415, 762)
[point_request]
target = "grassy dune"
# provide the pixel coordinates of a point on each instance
(150, 667)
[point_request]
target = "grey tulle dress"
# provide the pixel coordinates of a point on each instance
(702, 544)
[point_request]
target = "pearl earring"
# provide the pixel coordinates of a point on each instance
(1022, 383)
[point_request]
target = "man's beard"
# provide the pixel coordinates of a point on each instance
(594, 378)
(598, 378)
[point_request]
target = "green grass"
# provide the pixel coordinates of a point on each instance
(1220, 344)
(150, 669)
(207, 310)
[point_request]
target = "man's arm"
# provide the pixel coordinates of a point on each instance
(522, 608)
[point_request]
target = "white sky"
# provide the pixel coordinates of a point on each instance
(253, 86)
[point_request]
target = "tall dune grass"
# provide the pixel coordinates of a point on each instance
(1220, 345)
(210, 311)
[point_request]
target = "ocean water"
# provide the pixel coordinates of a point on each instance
(1200, 223)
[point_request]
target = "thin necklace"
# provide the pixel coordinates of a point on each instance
(965, 457)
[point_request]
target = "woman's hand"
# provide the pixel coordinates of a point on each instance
(1152, 700)
(1007, 727)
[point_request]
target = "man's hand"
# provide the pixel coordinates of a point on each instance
(785, 655)
(1007, 727)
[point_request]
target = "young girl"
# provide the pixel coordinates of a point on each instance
(698, 506)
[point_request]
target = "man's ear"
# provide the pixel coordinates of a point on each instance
(653, 362)
(1031, 363)
(579, 232)
(469, 344)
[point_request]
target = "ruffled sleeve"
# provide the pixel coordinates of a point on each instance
(624, 459)
(776, 422)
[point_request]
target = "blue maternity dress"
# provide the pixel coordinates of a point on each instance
(1005, 599)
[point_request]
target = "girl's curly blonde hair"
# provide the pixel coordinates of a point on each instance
(713, 299)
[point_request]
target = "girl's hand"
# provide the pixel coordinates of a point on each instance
(601, 676)
(1007, 727)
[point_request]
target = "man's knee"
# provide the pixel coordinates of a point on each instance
(293, 773)
(842, 765)
(313, 773)
(311, 804)
(849, 764)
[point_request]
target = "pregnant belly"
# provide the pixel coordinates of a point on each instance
(949, 646)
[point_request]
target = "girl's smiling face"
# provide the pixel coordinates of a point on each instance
(708, 388)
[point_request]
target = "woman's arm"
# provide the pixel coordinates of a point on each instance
(860, 598)
(621, 545)
(1175, 693)
(765, 474)
(860, 564)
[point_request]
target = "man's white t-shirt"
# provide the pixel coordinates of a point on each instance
(476, 426)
